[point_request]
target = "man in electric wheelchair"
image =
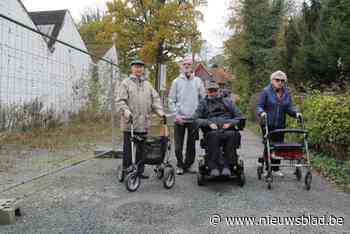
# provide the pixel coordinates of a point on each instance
(220, 121)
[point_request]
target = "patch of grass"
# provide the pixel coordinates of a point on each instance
(336, 171)
(73, 134)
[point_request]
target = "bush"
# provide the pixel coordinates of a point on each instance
(336, 170)
(327, 119)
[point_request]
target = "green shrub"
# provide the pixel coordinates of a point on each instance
(327, 119)
(336, 170)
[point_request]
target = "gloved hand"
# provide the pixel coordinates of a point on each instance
(263, 114)
(299, 115)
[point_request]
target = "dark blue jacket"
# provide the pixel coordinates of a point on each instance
(276, 110)
(219, 110)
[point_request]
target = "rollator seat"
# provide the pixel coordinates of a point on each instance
(286, 147)
(287, 151)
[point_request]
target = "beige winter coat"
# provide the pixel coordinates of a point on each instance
(137, 96)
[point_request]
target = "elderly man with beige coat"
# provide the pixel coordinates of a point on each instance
(136, 99)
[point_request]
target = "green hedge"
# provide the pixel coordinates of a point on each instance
(327, 117)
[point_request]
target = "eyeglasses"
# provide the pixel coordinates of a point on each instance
(280, 80)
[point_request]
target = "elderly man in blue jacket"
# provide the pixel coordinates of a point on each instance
(273, 104)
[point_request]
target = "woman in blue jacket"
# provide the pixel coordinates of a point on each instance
(274, 103)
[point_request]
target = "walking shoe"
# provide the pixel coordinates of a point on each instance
(179, 171)
(214, 172)
(191, 170)
(278, 173)
(226, 172)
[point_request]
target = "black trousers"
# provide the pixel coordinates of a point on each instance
(276, 138)
(179, 135)
(229, 140)
(127, 156)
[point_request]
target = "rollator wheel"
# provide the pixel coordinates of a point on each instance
(241, 181)
(260, 170)
(298, 173)
(120, 173)
(200, 179)
(132, 182)
(159, 172)
(308, 179)
(169, 177)
(269, 182)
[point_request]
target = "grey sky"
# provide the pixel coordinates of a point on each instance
(213, 28)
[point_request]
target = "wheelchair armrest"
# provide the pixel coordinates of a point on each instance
(241, 123)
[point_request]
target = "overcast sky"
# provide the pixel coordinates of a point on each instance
(213, 28)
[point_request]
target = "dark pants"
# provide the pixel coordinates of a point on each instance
(229, 140)
(127, 156)
(276, 138)
(179, 135)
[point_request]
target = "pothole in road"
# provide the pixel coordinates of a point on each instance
(145, 213)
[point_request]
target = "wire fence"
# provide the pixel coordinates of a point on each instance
(46, 81)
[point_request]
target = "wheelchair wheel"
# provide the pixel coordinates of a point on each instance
(298, 173)
(132, 182)
(169, 177)
(120, 173)
(200, 179)
(308, 179)
(260, 171)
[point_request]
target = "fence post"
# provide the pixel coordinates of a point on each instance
(112, 89)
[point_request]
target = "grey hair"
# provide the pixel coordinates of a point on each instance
(278, 75)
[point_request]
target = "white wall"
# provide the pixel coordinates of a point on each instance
(104, 74)
(28, 70)
(21, 56)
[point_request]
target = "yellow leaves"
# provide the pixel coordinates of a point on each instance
(144, 27)
(149, 51)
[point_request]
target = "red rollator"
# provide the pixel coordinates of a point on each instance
(294, 155)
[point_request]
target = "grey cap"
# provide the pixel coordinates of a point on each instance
(137, 61)
(212, 85)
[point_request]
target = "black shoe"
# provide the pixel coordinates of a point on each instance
(142, 176)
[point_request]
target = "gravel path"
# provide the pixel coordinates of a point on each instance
(88, 199)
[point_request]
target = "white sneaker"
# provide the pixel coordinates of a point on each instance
(278, 173)
(179, 171)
